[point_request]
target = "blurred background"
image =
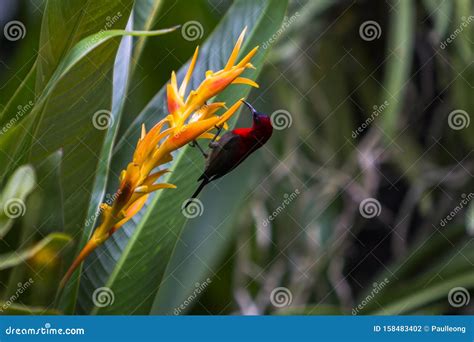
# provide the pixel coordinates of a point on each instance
(362, 202)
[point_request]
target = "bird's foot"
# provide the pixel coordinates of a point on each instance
(194, 143)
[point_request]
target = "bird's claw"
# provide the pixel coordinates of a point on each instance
(194, 143)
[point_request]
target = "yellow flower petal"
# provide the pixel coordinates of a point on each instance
(147, 144)
(207, 136)
(174, 81)
(228, 114)
(134, 208)
(207, 111)
(235, 52)
(247, 81)
(186, 79)
(159, 186)
(153, 177)
(189, 133)
(243, 63)
(175, 102)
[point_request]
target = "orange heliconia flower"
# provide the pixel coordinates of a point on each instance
(190, 118)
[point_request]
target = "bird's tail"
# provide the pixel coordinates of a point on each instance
(196, 193)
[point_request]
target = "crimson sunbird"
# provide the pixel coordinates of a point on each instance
(233, 148)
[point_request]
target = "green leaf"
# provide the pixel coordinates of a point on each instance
(146, 254)
(8, 308)
(470, 219)
(66, 23)
(400, 52)
(461, 89)
(145, 13)
(20, 104)
(54, 241)
(424, 296)
(45, 211)
(19, 72)
(410, 287)
(463, 44)
(442, 13)
(311, 310)
(205, 239)
(13, 197)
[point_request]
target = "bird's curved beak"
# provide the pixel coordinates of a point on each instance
(254, 112)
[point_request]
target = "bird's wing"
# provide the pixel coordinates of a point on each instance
(224, 157)
(229, 141)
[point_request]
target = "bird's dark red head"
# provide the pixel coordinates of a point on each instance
(262, 127)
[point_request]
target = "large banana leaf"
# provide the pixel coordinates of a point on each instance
(144, 255)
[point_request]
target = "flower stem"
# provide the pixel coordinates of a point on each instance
(91, 245)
